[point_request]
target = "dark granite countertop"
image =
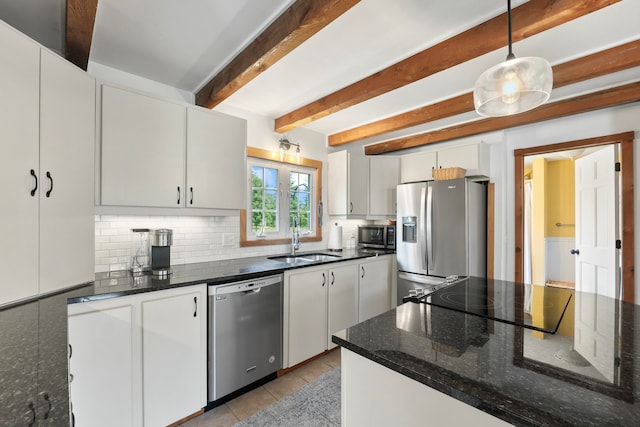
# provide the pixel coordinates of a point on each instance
(516, 374)
(33, 334)
(120, 283)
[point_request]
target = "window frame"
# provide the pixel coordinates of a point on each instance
(250, 239)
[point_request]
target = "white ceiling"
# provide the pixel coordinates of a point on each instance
(183, 43)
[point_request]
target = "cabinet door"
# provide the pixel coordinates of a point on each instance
(338, 183)
(19, 112)
(383, 181)
(307, 323)
(67, 144)
(358, 184)
(418, 166)
(101, 366)
(142, 150)
(173, 355)
(374, 288)
(343, 299)
(216, 161)
(474, 158)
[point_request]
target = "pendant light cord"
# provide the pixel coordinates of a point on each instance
(510, 55)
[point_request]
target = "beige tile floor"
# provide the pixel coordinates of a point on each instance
(249, 403)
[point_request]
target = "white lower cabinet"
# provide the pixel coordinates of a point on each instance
(173, 360)
(305, 314)
(374, 296)
(101, 364)
(139, 359)
(342, 299)
(320, 301)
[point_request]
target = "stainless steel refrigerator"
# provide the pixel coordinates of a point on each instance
(441, 231)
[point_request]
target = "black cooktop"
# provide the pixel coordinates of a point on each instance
(535, 307)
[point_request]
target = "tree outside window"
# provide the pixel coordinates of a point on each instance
(300, 199)
(264, 199)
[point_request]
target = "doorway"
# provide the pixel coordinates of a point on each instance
(625, 143)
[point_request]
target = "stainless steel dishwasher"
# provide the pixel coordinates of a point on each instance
(245, 333)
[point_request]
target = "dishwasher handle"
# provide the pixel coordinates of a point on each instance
(246, 287)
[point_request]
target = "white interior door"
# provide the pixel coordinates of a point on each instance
(597, 273)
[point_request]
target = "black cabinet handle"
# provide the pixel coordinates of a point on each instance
(35, 177)
(575, 251)
(46, 414)
(333, 278)
(178, 194)
(33, 414)
(195, 309)
(191, 201)
(324, 280)
(362, 267)
(350, 207)
(48, 194)
(70, 351)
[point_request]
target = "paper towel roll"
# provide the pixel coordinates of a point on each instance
(335, 238)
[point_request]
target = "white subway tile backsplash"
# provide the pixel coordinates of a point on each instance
(195, 239)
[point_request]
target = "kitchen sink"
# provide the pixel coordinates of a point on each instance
(304, 258)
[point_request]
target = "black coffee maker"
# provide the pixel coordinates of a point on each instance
(160, 242)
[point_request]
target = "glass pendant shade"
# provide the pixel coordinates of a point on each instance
(513, 86)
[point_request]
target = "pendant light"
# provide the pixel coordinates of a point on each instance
(513, 86)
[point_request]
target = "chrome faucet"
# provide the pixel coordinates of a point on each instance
(295, 235)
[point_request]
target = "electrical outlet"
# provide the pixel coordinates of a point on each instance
(228, 239)
(117, 267)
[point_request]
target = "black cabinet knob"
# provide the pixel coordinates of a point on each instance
(575, 251)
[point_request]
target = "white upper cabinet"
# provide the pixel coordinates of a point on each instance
(157, 153)
(472, 157)
(384, 176)
(216, 160)
(348, 174)
(362, 187)
(67, 144)
(418, 166)
(19, 145)
(47, 129)
(142, 150)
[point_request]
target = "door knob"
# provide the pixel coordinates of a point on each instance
(575, 251)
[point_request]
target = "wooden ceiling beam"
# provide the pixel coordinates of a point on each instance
(533, 17)
(581, 104)
(80, 19)
(298, 23)
(588, 67)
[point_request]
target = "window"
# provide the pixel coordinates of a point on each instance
(264, 199)
(279, 195)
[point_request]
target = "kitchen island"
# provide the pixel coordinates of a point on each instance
(437, 365)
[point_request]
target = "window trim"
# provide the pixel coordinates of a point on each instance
(259, 153)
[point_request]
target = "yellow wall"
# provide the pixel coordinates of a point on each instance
(539, 222)
(553, 201)
(560, 195)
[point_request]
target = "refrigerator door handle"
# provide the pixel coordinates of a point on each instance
(429, 238)
(422, 239)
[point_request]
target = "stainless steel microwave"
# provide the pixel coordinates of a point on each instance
(377, 236)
